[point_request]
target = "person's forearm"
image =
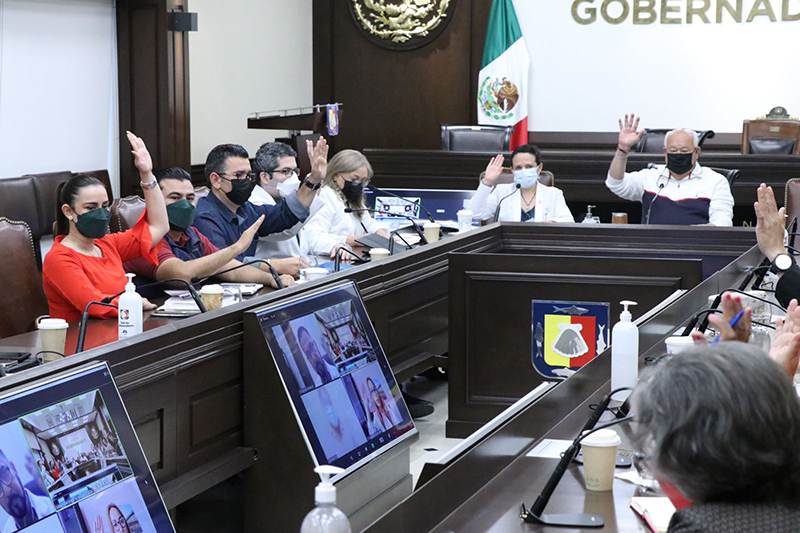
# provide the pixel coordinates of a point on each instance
(249, 274)
(157, 217)
(306, 195)
(200, 267)
(617, 170)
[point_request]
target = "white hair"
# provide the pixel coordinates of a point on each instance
(694, 134)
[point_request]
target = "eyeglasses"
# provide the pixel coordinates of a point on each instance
(287, 171)
(242, 174)
(119, 525)
(6, 478)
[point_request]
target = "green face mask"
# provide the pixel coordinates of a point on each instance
(181, 214)
(94, 224)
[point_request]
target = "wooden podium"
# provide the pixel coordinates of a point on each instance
(315, 121)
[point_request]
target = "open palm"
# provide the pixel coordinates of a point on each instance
(628, 134)
(141, 157)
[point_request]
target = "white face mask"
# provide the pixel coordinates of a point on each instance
(526, 177)
(287, 187)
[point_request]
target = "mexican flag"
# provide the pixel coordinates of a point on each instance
(503, 80)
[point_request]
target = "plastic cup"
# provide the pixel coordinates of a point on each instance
(376, 254)
(678, 344)
(619, 218)
(53, 332)
(310, 274)
(464, 220)
(600, 459)
(431, 231)
(212, 296)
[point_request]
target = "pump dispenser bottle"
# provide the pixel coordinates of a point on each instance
(130, 311)
(624, 353)
(326, 517)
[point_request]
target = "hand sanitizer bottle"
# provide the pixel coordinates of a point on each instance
(589, 219)
(326, 517)
(624, 353)
(130, 311)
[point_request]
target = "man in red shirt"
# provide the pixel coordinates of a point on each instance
(186, 253)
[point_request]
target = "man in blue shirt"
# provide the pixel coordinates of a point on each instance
(225, 214)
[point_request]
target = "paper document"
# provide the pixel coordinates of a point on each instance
(656, 512)
(550, 448)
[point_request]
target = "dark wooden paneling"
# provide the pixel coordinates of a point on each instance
(153, 85)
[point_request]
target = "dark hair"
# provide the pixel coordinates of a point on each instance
(217, 160)
(172, 173)
(527, 149)
(66, 194)
(268, 155)
(300, 331)
(722, 423)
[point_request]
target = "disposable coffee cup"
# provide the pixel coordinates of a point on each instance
(376, 254)
(600, 459)
(310, 274)
(431, 231)
(464, 220)
(619, 218)
(212, 296)
(53, 332)
(678, 344)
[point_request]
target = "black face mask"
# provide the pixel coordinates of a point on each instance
(240, 190)
(181, 214)
(679, 163)
(93, 224)
(353, 193)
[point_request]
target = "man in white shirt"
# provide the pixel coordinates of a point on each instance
(682, 192)
(276, 166)
(23, 507)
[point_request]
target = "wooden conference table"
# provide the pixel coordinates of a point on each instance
(182, 380)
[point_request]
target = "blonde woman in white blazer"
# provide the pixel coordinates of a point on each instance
(525, 200)
(331, 228)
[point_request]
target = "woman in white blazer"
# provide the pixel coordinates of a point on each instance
(331, 228)
(525, 200)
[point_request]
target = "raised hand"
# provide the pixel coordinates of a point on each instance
(493, 170)
(628, 136)
(731, 305)
(770, 224)
(141, 157)
(318, 155)
(246, 239)
(785, 348)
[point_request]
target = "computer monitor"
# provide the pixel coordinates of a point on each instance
(70, 460)
(347, 402)
(443, 204)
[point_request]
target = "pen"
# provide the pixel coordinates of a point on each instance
(733, 324)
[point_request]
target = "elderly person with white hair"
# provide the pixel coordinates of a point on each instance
(680, 192)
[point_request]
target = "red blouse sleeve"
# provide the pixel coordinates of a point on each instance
(136, 242)
(69, 278)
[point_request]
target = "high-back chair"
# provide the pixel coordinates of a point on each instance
(23, 299)
(771, 137)
(125, 212)
(652, 142)
(476, 138)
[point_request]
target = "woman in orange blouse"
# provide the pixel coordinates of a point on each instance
(85, 262)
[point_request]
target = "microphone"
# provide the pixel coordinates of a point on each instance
(417, 203)
(576, 520)
(275, 276)
(497, 211)
(192, 291)
(422, 238)
(337, 260)
(660, 188)
(392, 243)
(85, 317)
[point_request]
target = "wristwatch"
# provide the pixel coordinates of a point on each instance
(148, 186)
(782, 263)
(312, 186)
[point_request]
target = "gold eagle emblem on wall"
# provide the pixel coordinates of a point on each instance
(403, 23)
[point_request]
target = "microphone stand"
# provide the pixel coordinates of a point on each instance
(275, 276)
(192, 291)
(660, 188)
(84, 318)
(422, 238)
(418, 203)
(575, 520)
(337, 260)
(497, 211)
(392, 243)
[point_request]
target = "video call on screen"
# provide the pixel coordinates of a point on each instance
(346, 397)
(65, 466)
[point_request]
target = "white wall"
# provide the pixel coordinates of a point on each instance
(58, 87)
(701, 75)
(247, 56)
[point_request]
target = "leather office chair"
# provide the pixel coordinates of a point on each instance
(125, 212)
(507, 176)
(476, 138)
(791, 199)
(771, 137)
(24, 301)
(732, 174)
(652, 142)
(201, 191)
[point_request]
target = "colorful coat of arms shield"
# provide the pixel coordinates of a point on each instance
(567, 335)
